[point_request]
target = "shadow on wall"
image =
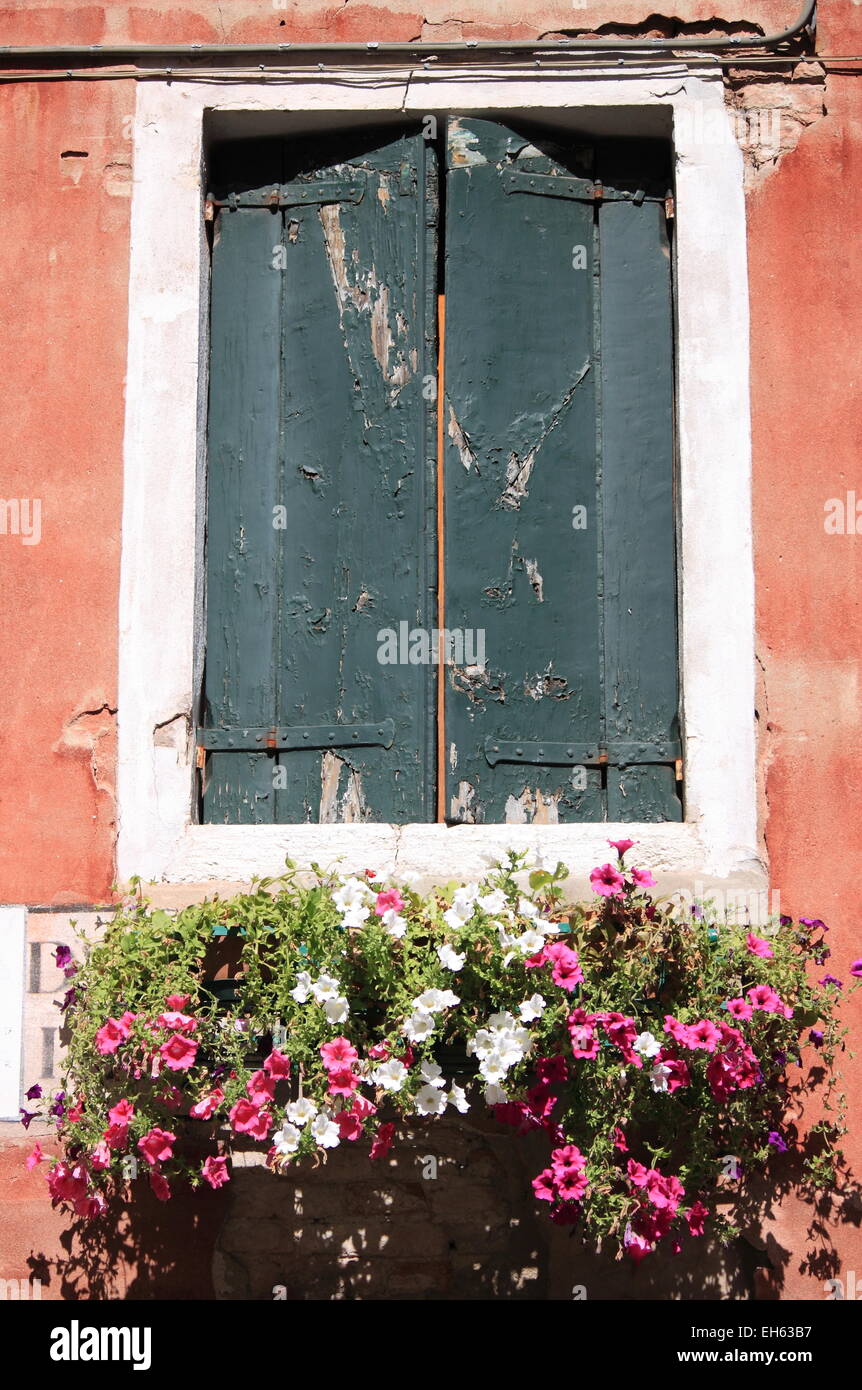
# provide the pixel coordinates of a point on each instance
(448, 1215)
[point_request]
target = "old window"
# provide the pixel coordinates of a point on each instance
(500, 300)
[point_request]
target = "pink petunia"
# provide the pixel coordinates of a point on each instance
(160, 1186)
(178, 1001)
(704, 1036)
(758, 947)
(35, 1156)
(215, 1171)
(643, 878)
(178, 1022)
(737, 1008)
(349, 1125)
(121, 1113)
(607, 881)
(100, 1158)
(178, 1052)
(205, 1108)
(111, 1035)
(696, 1218)
(567, 970)
(545, 1186)
(383, 1140)
(247, 1118)
(261, 1088)
(277, 1065)
(342, 1082)
(389, 899)
(338, 1054)
(157, 1145)
(621, 846)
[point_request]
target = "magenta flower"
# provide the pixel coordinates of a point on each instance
(383, 1140)
(621, 846)
(215, 1171)
(250, 1119)
(205, 1108)
(179, 1052)
(390, 898)
(160, 1185)
(179, 1022)
(607, 881)
(34, 1093)
(758, 947)
(338, 1054)
(157, 1145)
(342, 1082)
(737, 1008)
(545, 1186)
(277, 1065)
(696, 1217)
(111, 1035)
(567, 970)
(62, 956)
(261, 1088)
(831, 980)
(643, 878)
(856, 969)
(35, 1156)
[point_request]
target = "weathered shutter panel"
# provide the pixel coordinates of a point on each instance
(342, 444)
(546, 545)
(637, 497)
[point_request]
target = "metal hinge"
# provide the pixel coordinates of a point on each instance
(293, 195)
(279, 739)
(576, 190)
(570, 754)
(669, 207)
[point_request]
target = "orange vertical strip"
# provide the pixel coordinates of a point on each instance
(441, 594)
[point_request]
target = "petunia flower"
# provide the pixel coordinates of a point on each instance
(758, 947)
(215, 1171)
(607, 881)
(621, 846)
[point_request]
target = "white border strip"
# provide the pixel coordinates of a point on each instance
(13, 930)
(163, 441)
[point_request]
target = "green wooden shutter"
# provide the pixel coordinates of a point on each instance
(558, 386)
(322, 335)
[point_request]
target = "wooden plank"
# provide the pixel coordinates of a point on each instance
(521, 456)
(639, 562)
(353, 478)
(242, 544)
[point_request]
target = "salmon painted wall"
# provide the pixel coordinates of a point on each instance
(65, 169)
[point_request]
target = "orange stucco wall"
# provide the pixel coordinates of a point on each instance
(63, 279)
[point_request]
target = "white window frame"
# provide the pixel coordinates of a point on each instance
(164, 460)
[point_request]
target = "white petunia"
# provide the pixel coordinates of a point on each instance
(393, 924)
(325, 1131)
(325, 988)
(495, 1095)
(286, 1140)
(353, 892)
(433, 1000)
(493, 902)
(493, 1067)
(430, 1101)
(527, 908)
(457, 1096)
(448, 1000)
(432, 1074)
(647, 1045)
(336, 1009)
(302, 1111)
(419, 1026)
(303, 987)
(355, 916)
(390, 1075)
(530, 942)
(532, 1008)
(450, 959)
(658, 1076)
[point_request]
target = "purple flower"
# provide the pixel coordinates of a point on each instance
(780, 1058)
(62, 956)
(816, 1036)
(27, 1116)
(58, 1108)
(856, 969)
(34, 1093)
(775, 1139)
(696, 911)
(831, 980)
(68, 998)
(785, 921)
(814, 923)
